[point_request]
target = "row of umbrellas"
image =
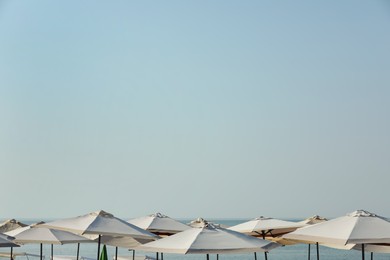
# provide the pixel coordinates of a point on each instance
(161, 234)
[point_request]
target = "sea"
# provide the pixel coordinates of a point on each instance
(293, 252)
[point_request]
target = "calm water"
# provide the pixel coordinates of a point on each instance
(294, 252)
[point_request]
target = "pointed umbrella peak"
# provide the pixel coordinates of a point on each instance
(362, 213)
(101, 213)
(11, 224)
(263, 218)
(158, 215)
(313, 220)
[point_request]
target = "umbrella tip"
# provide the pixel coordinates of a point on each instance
(102, 213)
(361, 213)
(158, 215)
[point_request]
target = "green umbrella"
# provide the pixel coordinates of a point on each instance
(103, 255)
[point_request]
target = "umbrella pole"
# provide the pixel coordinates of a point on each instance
(372, 255)
(318, 251)
(98, 251)
(51, 251)
(255, 256)
(207, 256)
(265, 253)
(217, 257)
(362, 251)
(157, 255)
(116, 253)
(308, 253)
(41, 252)
(133, 254)
(11, 257)
(162, 256)
(78, 251)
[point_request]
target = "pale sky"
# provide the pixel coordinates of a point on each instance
(214, 109)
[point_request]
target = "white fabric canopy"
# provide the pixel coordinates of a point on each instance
(10, 224)
(359, 227)
(6, 241)
(208, 240)
(266, 226)
(45, 235)
(159, 224)
(100, 223)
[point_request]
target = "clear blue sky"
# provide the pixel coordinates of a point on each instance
(194, 108)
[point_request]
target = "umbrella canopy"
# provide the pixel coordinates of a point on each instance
(263, 226)
(48, 236)
(208, 239)
(159, 224)
(100, 223)
(17, 231)
(359, 227)
(6, 241)
(10, 224)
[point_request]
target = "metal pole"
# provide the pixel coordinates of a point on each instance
(133, 254)
(157, 255)
(362, 251)
(41, 252)
(265, 253)
(51, 251)
(207, 256)
(217, 256)
(98, 251)
(162, 256)
(116, 253)
(255, 256)
(372, 255)
(308, 254)
(78, 251)
(318, 251)
(11, 254)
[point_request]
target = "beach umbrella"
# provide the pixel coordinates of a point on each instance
(359, 227)
(267, 228)
(159, 224)
(100, 223)
(19, 230)
(208, 239)
(11, 224)
(43, 235)
(309, 221)
(7, 241)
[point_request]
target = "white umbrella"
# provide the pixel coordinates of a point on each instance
(43, 235)
(19, 230)
(359, 227)
(208, 239)
(266, 227)
(159, 224)
(6, 241)
(10, 224)
(100, 223)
